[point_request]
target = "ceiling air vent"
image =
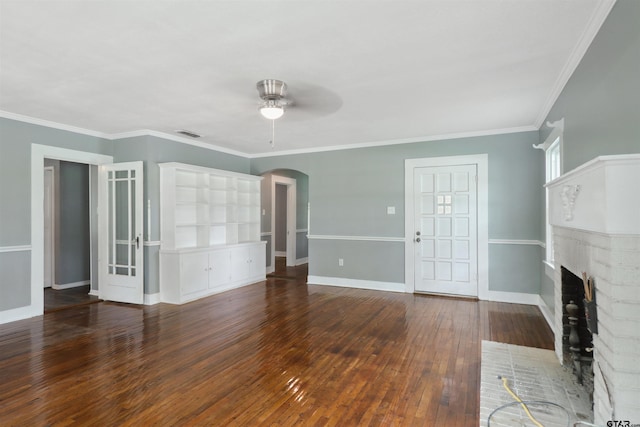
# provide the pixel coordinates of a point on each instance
(188, 133)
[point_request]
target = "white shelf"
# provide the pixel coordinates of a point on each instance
(204, 206)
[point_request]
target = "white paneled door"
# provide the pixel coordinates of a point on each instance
(120, 233)
(445, 230)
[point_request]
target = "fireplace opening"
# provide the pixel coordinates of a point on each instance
(577, 340)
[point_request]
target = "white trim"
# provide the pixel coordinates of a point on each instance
(18, 248)
(94, 292)
(270, 269)
(557, 132)
(549, 269)
(266, 234)
(152, 243)
(280, 253)
(356, 283)
(516, 242)
(396, 141)
(302, 230)
(209, 146)
(20, 313)
(595, 22)
(151, 299)
(355, 238)
(70, 285)
(38, 154)
(301, 261)
(615, 159)
(547, 313)
(511, 297)
(482, 163)
(50, 124)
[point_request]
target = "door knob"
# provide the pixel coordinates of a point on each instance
(417, 240)
(417, 233)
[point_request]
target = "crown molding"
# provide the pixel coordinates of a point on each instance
(147, 132)
(595, 22)
(50, 124)
(397, 141)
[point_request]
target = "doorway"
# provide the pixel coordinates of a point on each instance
(68, 238)
(446, 231)
(38, 154)
(283, 219)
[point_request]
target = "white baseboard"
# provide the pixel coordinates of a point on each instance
(280, 253)
(512, 297)
(94, 292)
(70, 285)
(270, 269)
(356, 283)
(301, 261)
(547, 313)
(19, 313)
(151, 299)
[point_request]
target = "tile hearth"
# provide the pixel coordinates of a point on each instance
(533, 374)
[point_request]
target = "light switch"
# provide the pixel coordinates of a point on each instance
(391, 210)
(264, 212)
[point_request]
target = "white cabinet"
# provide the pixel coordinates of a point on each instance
(210, 232)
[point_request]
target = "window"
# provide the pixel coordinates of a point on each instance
(552, 168)
(552, 147)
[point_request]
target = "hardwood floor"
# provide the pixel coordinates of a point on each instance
(65, 298)
(278, 352)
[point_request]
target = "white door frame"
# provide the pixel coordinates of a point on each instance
(481, 161)
(291, 219)
(49, 173)
(38, 154)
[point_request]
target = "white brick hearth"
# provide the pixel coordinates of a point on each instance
(595, 214)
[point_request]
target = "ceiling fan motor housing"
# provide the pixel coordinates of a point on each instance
(271, 89)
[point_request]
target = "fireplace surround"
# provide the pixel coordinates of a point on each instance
(594, 211)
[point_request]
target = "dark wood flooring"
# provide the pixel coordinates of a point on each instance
(276, 353)
(61, 299)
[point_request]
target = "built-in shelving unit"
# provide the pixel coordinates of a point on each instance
(205, 210)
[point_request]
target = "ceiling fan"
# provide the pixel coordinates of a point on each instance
(275, 100)
(273, 94)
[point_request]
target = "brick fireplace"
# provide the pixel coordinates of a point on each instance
(595, 214)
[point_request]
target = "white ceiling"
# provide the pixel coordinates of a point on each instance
(360, 72)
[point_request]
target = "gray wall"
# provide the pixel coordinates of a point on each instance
(601, 101)
(349, 191)
(73, 254)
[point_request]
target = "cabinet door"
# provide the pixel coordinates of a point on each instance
(258, 262)
(194, 272)
(240, 268)
(220, 268)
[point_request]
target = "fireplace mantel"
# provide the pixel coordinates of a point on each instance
(595, 214)
(602, 196)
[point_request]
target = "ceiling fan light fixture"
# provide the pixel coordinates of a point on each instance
(272, 93)
(271, 110)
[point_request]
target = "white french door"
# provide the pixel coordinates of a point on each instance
(445, 230)
(120, 232)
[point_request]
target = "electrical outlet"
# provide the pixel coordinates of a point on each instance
(391, 210)
(340, 262)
